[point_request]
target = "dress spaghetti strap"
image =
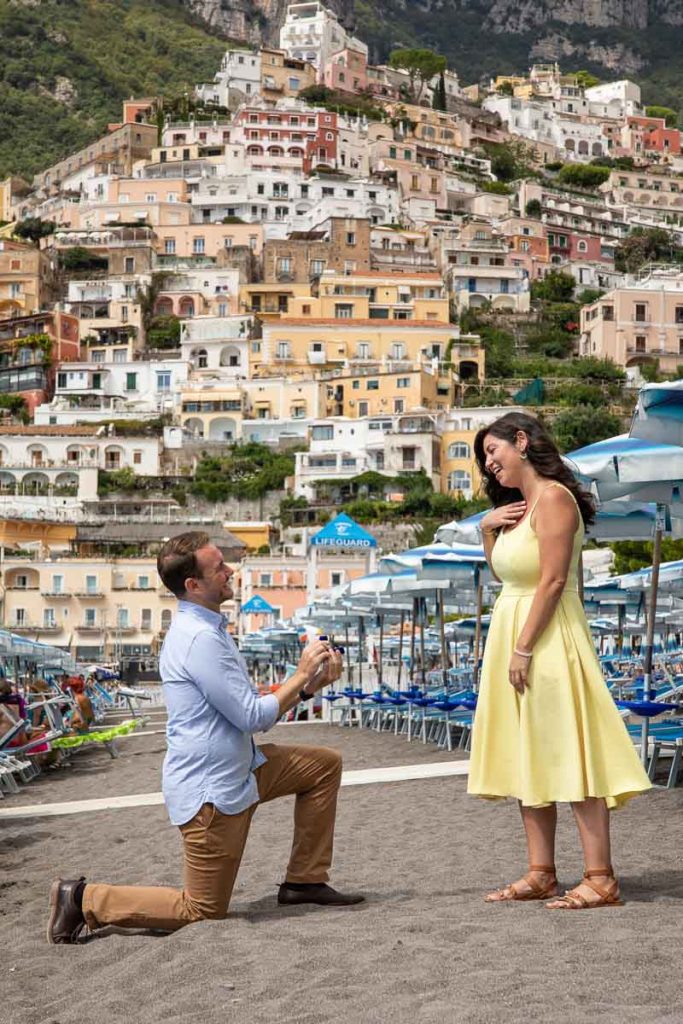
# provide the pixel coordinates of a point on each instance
(555, 483)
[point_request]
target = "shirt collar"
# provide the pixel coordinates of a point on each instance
(215, 618)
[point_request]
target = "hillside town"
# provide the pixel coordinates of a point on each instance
(305, 288)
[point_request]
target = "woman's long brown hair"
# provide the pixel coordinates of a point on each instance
(543, 455)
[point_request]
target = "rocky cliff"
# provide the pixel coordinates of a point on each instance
(480, 37)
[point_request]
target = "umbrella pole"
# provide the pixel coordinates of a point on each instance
(400, 666)
(650, 634)
(621, 614)
(381, 651)
(423, 616)
(361, 639)
(348, 655)
(477, 630)
(445, 665)
(412, 667)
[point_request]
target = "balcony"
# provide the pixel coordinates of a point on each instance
(21, 586)
(123, 630)
(89, 627)
(166, 595)
(56, 593)
(317, 358)
(94, 594)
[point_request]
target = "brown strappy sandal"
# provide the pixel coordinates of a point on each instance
(535, 892)
(609, 894)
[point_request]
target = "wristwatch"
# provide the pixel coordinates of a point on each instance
(305, 696)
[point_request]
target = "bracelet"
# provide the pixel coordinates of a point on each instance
(523, 654)
(305, 696)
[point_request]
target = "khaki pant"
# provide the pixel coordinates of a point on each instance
(213, 844)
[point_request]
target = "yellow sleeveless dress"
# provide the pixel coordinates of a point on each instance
(563, 739)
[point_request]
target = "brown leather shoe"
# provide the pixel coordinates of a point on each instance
(66, 921)
(320, 893)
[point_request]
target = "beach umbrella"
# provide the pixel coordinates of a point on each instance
(640, 469)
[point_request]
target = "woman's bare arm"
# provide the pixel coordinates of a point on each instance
(555, 526)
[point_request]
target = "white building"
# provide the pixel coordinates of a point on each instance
(90, 392)
(239, 78)
(614, 99)
(41, 465)
(563, 123)
(217, 346)
(312, 32)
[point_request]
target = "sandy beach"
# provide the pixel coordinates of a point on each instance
(424, 948)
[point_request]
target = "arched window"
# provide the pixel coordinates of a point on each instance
(582, 246)
(459, 450)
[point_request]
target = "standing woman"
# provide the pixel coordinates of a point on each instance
(546, 727)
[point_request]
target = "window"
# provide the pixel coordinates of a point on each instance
(350, 237)
(372, 385)
(198, 246)
(19, 616)
(640, 312)
(169, 246)
(459, 450)
(282, 351)
(328, 191)
(120, 355)
(582, 246)
(137, 457)
(355, 385)
(398, 408)
(163, 380)
(90, 617)
(146, 618)
(131, 382)
(403, 382)
(343, 311)
(679, 314)
(641, 343)
(459, 480)
(122, 618)
(397, 350)
(392, 152)
(284, 265)
(414, 182)
(266, 579)
(322, 433)
(608, 312)
(61, 380)
(363, 350)
(58, 584)
(362, 408)
(97, 355)
(129, 265)
(336, 579)
(91, 584)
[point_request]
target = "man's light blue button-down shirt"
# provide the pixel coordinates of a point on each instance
(212, 713)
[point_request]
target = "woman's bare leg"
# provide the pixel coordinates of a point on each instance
(539, 825)
(592, 819)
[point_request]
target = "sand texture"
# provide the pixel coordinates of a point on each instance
(424, 948)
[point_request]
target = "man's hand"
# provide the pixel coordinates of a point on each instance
(329, 674)
(314, 656)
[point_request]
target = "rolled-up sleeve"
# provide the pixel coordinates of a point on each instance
(221, 679)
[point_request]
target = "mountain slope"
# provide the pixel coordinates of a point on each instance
(66, 66)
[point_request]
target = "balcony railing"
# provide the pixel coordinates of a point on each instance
(56, 593)
(89, 593)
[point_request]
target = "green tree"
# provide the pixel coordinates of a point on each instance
(630, 555)
(556, 286)
(505, 89)
(533, 208)
(646, 245)
(584, 425)
(583, 175)
(79, 258)
(163, 332)
(439, 96)
(669, 115)
(147, 298)
(33, 228)
(586, 80)
(421, 66)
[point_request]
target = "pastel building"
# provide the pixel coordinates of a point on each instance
(481, 270)
(312, 32)
(639, 323)
(238, 78)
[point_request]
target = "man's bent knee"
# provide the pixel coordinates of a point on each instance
(205, 910)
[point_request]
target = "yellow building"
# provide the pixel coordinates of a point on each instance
(24, 274)
(270, 301)
(254, 535)
(283, 75)
(303, 345)
(375, 295)
(372, 393)
(459, 473)
(218, 412)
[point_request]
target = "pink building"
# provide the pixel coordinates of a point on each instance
(347, 71)
(305, 136)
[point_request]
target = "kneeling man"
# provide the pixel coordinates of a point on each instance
(214, 775)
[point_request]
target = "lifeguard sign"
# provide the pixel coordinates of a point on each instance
(343, 532)
(340, 532)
